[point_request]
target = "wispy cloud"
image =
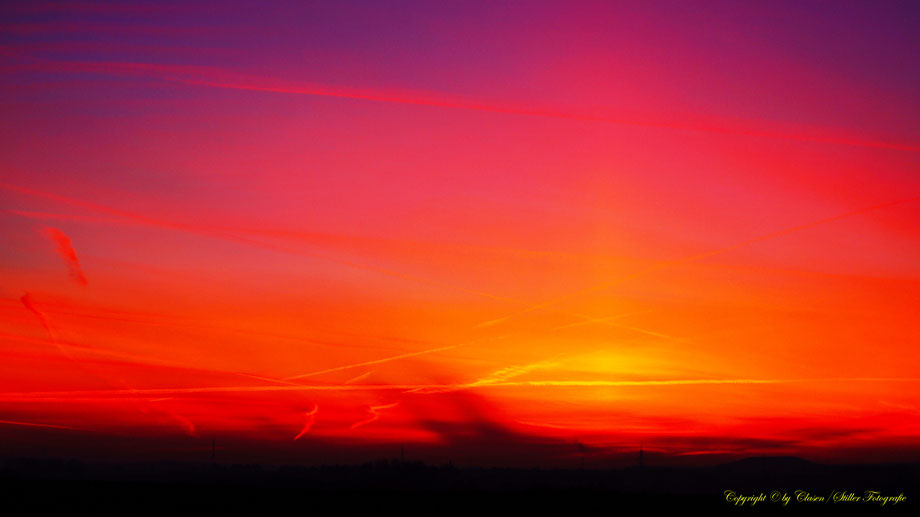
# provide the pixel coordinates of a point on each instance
(375, 415)
(26, 300)
(66, 251)
(308, 424)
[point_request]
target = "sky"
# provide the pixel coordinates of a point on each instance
(491, 233)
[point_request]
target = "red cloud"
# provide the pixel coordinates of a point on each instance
(66, 251)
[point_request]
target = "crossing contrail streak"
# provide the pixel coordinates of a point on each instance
(369, 363)
(231, 236)
(389, 359)
(152, 392)
(50, 426)
(358, 378)
(186, 424)
(132, 358)
(497, 377)
(544, 305)
(27, 301)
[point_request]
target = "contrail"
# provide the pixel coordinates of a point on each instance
(510, 372)
(550, 426)
(26, 300)
(188, 228)
(358, 378)
(310, 419)
(542, 113)
(375, 415)
(178, 321)
(215, 78)
(227, 235)
(153, 392)
(234, 237)
(497, 377)
(392, 358)
(369, 363)
(714, 451)
(680, 382)
(609, 321)
(592, 321)
(51, 426)
(313, 238)
(135, 359)
(51, 216)
(692, 258)
(184, 422)
(544, 305)
(66, 251)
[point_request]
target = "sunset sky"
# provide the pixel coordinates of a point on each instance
(522, 233)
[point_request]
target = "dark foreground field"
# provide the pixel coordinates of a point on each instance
(62, 487)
